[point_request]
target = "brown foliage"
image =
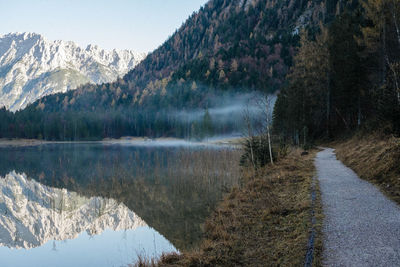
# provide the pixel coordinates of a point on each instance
(264, 222)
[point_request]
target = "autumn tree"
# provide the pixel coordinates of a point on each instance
(302, 107)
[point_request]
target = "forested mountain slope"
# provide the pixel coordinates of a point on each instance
(246, 43)
(227, 44)
(226, 47)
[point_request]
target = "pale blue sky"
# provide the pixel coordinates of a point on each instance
(140, 25)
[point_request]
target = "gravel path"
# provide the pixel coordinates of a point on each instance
(361, 226)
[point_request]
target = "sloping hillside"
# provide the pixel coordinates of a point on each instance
(226, 47)
(246, 43)
(238, 44)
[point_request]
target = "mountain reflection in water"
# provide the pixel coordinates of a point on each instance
(171, 188)
(32, 215)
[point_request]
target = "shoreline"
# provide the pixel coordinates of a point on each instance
(231, 141)
(269, 218)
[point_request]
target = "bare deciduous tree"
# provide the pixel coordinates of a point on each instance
(266, 106)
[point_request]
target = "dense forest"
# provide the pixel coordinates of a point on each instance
(123, 120)
(345, 77)
(335, 64)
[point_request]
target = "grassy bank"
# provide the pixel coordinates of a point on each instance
(374, 158)
(265, 222)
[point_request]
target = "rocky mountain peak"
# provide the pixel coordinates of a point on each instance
(32, 66)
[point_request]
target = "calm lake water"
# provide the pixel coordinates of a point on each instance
(100, 204)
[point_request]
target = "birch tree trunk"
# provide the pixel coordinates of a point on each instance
(268, 121)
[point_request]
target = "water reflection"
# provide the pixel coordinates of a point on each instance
(31, 214)
(35, 218)
(172, 188)
(111, 248)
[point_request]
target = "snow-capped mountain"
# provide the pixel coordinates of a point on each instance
(31, 214)
(32, 66)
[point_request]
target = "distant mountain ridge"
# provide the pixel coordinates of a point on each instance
(32, 67)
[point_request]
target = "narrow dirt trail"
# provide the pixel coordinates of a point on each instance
(361, 225)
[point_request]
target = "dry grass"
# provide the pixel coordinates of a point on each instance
(319, 217)
(175, 193)
(374, 158)
(265, 222)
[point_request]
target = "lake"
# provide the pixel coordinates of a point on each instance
(106, 204)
